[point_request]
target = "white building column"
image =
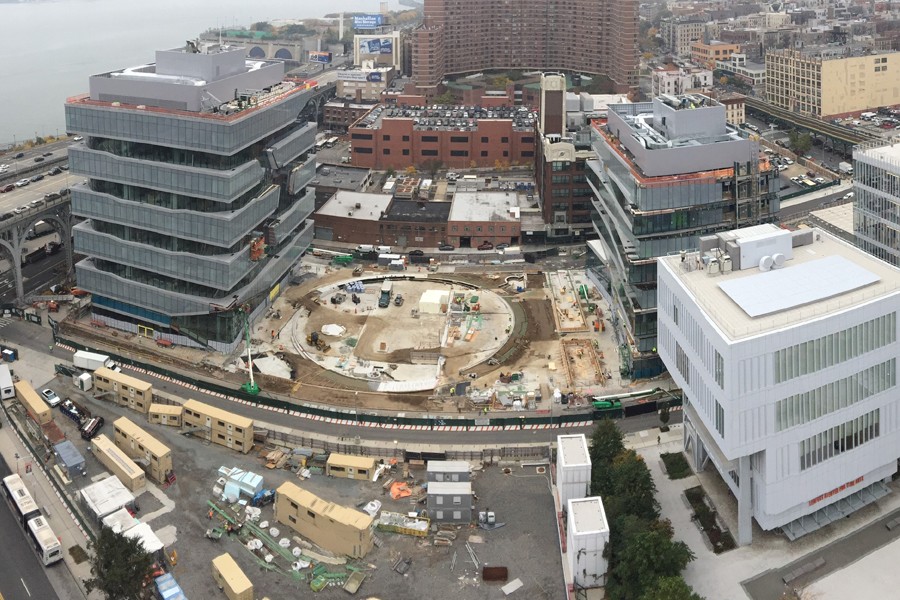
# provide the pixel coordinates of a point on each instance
(745, 504)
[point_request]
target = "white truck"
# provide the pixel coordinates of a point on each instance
(845, 168)
(91, 361)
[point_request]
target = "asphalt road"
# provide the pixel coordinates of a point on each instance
(19, 166)
(36, 275)
(22, 576)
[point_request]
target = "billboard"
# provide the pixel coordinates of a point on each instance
(367, 21)
(376, 45)
(319, 57)
(371, 76)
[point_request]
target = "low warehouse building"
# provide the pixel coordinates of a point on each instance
(335, 528)
(348, 466)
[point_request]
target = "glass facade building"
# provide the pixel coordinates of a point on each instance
(665, 173)
(197, 196)
(876, 208)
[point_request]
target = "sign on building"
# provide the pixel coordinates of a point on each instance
(319, 57)
(367, 21)
(376, 45)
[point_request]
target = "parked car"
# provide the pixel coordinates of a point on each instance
(50, 196)
(77, 138)
(50, 397)
(6, 216)
(486, 246)
(20, 155)
(398, 300)
(54, 171)
(47, 154)
(501, 246)
(446, 248)
(37, 178)
(416, 253)
(65, 192)
(22, 182)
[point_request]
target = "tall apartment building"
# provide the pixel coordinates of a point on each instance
(467, 36)
(785, 346)
(679, 34)
(832, 81)
(197, 196)
(876, 201)
(664, 173)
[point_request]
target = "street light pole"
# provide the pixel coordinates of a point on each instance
(17, 463)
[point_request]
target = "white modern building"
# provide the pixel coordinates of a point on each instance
(587, 534)
(876, 200)
(573, 468)
(785, 345)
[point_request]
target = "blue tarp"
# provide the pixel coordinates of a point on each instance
(168, 588)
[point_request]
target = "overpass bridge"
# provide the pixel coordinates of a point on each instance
(841, 137)
(58, 214)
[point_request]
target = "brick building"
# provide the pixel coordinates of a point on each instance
(466, 36)
(458, 137)
(341, 114)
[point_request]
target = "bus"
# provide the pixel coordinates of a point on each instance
(46, 544)
(330, 142)
(320, 145)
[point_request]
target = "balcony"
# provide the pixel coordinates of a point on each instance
(219, 228)
(221, 271)
(214, 185)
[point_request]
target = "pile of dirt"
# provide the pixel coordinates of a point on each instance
(541, 326)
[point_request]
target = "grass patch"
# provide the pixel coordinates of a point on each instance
(78, 554)
(677, 465)
(721, 540)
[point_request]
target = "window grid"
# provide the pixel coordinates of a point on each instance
(837, 440)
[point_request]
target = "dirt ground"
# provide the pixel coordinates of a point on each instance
(580, 363)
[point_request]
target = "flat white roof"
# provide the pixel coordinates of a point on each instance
(767, 292)
(448, 466)
(734, 322)
(572, 450)
(343, 204)
(449, 488)
(839, 217)
(484, 206)
(588, 515)
(890, 153)
(106, 496)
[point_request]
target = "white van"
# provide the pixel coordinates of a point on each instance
(365, 248)
(383, 249)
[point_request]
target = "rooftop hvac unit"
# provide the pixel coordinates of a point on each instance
(778, 260)
(765, 263)
(726, 264)
(714, 267)
(358, 205)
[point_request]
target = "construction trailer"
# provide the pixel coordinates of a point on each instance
(150, 453)
(165, 414)
(7, 390)
(336, 528)
(105, 497)
(450, 501)
(36, 408)
(218, 426)
(447, 470)
(114, 459)
(587, 534)
(231, 579)
(573, 467)
(349, 466)
(124, 390)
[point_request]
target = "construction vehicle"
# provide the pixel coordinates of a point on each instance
(313, 339)
(263, 497)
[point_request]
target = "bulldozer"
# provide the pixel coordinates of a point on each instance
(321, 345)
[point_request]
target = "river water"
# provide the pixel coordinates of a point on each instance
(49, 49)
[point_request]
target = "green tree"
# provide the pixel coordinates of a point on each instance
(607, 442)
(295, 30)
(663, 407)
(633, 489)
(119, 566)
(445, 99)
(670, 588)
(800, 142)
(262, 26)
(644, 558)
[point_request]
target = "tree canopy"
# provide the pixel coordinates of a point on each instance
(670, 588)
(119, 566)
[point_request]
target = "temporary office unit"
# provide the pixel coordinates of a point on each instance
(7, 390)
(83, 381)
(165, 414)
(573, 467)
(149, 541)
(70, 458)
(153, 455)
(336, 528)
(105, 497)
(450, 501)
(118, 462)
(119, 521)
(231, 579)
(36, 408)
(349, 466)
(447, 470)
(126, 390)
(433, 302)
(586, 538)
(219, 426)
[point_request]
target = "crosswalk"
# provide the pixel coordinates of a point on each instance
(3, 323)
